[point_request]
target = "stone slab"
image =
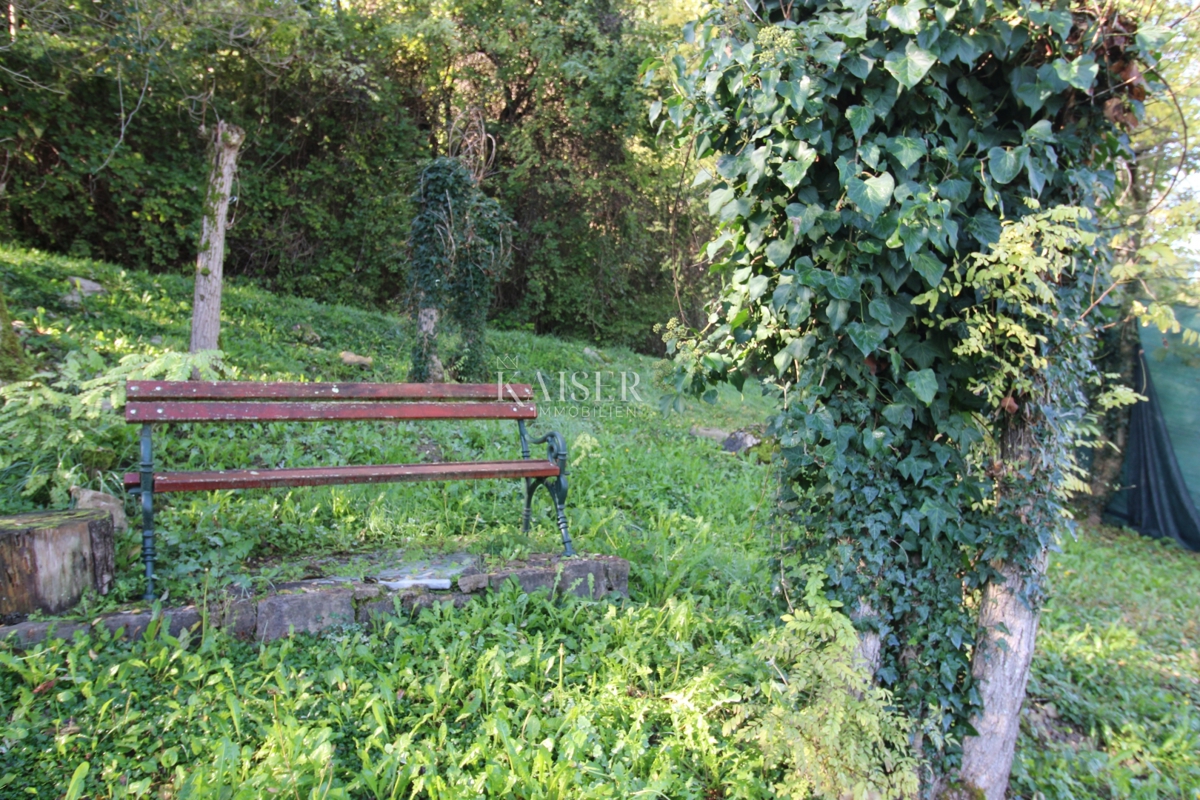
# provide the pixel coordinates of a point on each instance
(306, 612)
(314, 606)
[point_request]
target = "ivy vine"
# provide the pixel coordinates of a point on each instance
(905, 197)
(459, 246)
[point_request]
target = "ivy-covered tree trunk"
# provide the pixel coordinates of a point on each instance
(206, 307)
(906, 193)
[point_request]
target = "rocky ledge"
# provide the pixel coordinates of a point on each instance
(314, 605)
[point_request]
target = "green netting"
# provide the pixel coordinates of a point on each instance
(1160, 477)
(1175, 370)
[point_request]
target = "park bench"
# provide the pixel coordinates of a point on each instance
(150, 403)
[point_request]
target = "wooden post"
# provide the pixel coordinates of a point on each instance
(48, 559)
(206, 308)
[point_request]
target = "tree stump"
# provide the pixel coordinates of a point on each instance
(48, 559)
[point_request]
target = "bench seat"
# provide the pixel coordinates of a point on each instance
(328, 476)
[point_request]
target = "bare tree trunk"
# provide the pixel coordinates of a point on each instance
(427, 320)
(1001, 668)
(206, 308)
(1008, 623)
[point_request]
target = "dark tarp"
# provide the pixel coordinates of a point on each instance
(1160, 478)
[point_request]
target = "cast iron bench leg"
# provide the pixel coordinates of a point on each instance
(147, 492)
(530, 486)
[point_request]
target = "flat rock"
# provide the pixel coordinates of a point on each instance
(81, 288)
(183, 619)
(716, 434)
(739, 442)
(594, 576)
(130, 624)
(307, 612)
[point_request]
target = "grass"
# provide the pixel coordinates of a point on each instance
(632, 469)
(677, 691)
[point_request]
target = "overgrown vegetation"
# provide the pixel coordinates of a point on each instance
(693, 687)
(102, 153)
(461, 244)
(690, 688)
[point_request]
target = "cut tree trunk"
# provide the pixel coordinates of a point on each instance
(48, 559)
(206, 308)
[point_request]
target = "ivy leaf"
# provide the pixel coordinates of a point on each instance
(1034, 94)
(923, 384)
(907, 150)
(935, 514)
(881, 310)
(717, 198)
(842, 287)
(910, 66)
(1151, 38)
(898, 414)
(930, 268)
(860, 118)
(859, 66)
(803, 217)
(757, 286)
(778, 252)
(955, 189)
(873, 195)
(838, 310)
(1040, 131)
(866, 338)
(905, 18)
(1005, 165)
(797, 350)
(758, 166)
(795, 92)
(1080, 73)
(794, 171)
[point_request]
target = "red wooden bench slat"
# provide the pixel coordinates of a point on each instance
(247, 390)
(322, 476)
(275, 411)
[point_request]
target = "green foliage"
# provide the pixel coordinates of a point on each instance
(341, 105)
(12, 357)
(867, 167)
(690, 686)
(104, 158)
(620, 482)
(60, 425)
(823, 728)
(461, 244)
(515, 695)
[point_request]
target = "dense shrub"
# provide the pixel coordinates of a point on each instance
(342, 106)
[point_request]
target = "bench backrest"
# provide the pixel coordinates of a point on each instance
(245, 401)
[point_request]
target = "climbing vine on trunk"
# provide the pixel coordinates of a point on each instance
(879, 174)
(459, 246)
